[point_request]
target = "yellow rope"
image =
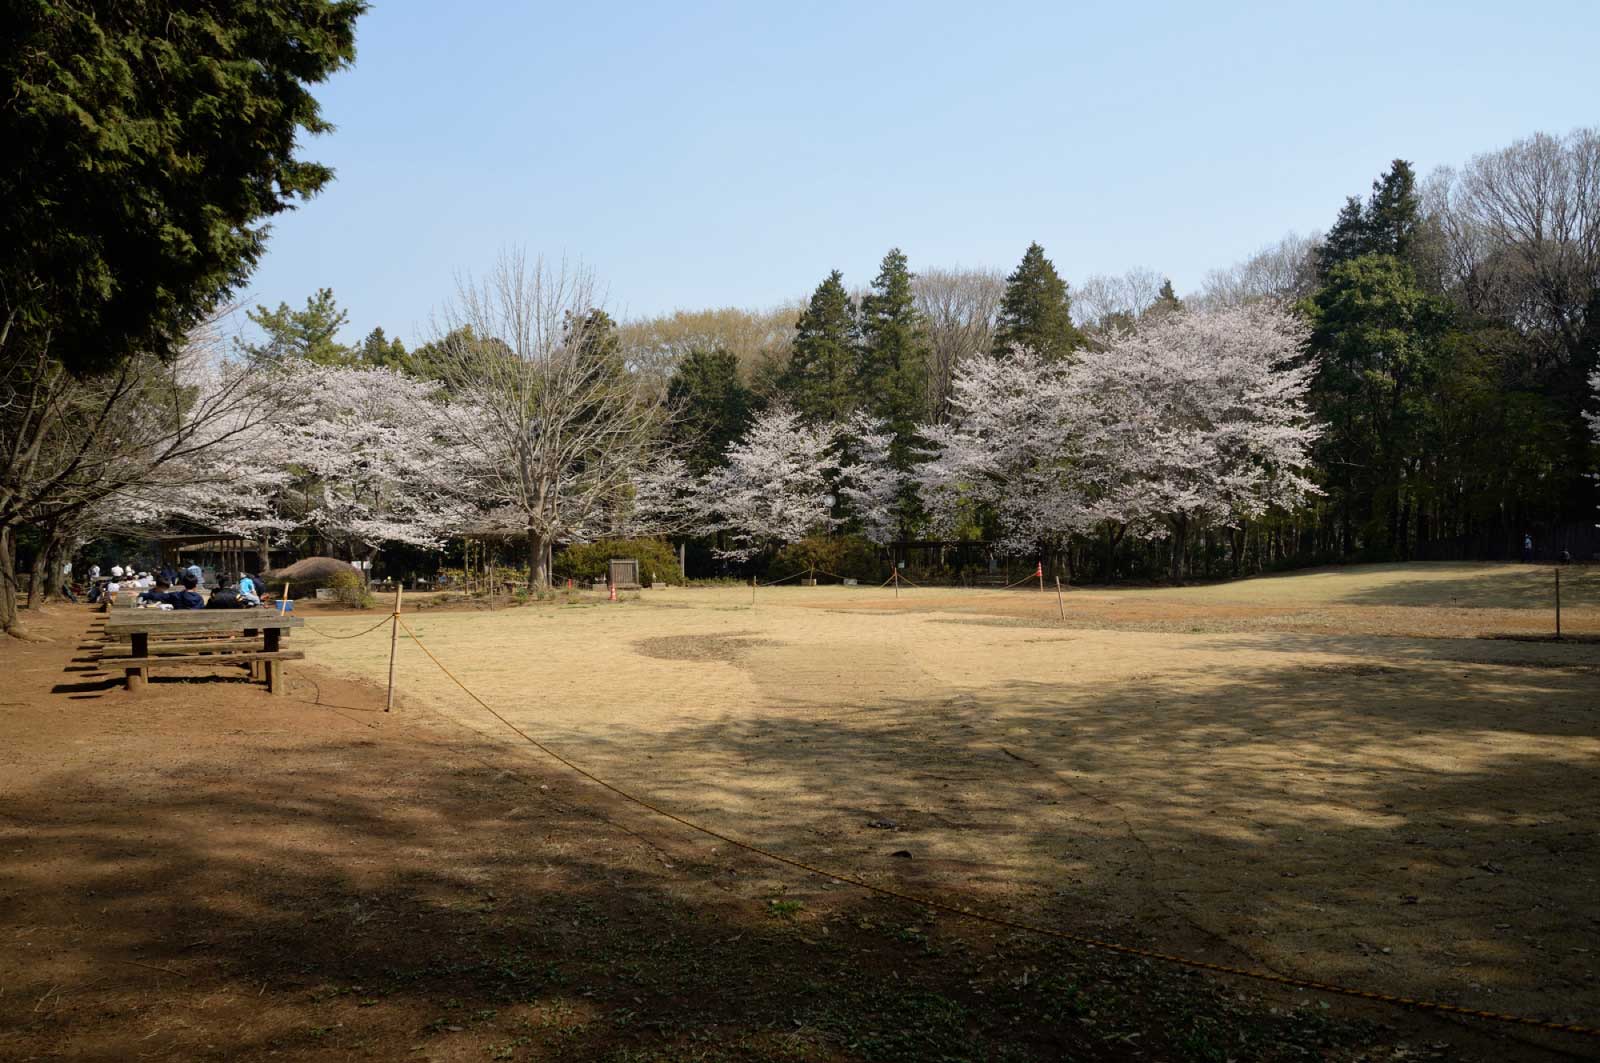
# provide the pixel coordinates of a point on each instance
(1012, 924)
(358, 634)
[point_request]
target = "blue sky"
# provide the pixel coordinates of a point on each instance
(702, 155)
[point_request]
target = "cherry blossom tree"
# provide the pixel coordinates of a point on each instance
(1008, 449)
(775, 488)
(1196, 419)
(379, 449)
(871, 488)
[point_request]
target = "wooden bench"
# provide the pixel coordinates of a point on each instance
(248, 636)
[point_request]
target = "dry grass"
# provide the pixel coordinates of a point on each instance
(1346, 774)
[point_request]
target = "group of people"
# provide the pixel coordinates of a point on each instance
(171, 589)
(242, 594)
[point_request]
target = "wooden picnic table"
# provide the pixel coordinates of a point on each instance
(187, 637)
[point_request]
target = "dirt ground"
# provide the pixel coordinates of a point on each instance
(1385, 776)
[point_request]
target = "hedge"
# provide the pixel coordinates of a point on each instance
(658, 561)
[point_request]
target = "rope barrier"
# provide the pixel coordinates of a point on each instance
(357, 635)
(1001, 921)
(785, 579)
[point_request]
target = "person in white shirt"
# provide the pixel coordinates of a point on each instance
(116, 571)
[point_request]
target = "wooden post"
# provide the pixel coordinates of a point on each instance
(897, 581)
(1558, 605)
(1061, 603)
(394, 642)
(283, 603)
(752, 592)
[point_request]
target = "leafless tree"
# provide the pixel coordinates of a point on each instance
(1104, 300)
(1522, 228)
(557, 422)
(1282, 272)
(958, 308)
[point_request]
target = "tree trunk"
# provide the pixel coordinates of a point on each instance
(538, 560)
(1180, 538)
(8, 580)
(41, 586)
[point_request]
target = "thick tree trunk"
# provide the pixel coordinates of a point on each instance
(538, 560)
(8, 579)
(40, 584)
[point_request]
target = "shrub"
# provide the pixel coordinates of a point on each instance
(351, 589)
(845, 555)
(592, 561)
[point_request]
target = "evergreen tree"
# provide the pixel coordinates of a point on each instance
(147, 145)
(711, 407)
(379, 351)
(893, 373)
(820, 381)
(1166, 302)
(1347, 239)
(893, 368)
(1380, 339)
(1393, 212)
(1386, 225)
(311, 333)
(1036, 310)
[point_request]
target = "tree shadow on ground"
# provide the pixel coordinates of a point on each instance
(302, 909)
(1425, 825)
(305, 895)
(1510, 587)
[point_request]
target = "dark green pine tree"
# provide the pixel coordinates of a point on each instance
(1167, 301)
(1393, 212)
(1036, 310)
(311, 334)
(893, 366)
(1347, 239)
(820, 381)
(380, 352)
(711, 407)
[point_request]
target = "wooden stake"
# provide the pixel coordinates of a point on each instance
(752, 592)
(1558, 605)
(394, 642)
(897, 583)
(283, 603)
(1060, 602)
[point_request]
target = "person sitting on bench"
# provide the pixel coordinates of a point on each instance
(187, 598)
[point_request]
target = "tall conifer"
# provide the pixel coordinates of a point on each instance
(1036, 310)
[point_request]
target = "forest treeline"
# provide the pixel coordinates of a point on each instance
(1454, 325)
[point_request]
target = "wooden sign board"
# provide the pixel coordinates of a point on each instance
(625, 573)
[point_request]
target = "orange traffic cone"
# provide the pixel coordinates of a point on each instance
(613, 587)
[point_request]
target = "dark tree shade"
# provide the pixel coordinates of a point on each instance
(146, 144)
(1036, 310)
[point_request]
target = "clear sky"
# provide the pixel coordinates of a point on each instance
(702, 155)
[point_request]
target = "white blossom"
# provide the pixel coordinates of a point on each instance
(775, 487)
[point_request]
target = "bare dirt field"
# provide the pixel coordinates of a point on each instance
(1384, 776)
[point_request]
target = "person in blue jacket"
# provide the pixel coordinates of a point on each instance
(187, 598)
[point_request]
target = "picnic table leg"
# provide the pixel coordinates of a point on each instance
(139, 646)
(275, 682)
(256, 671)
